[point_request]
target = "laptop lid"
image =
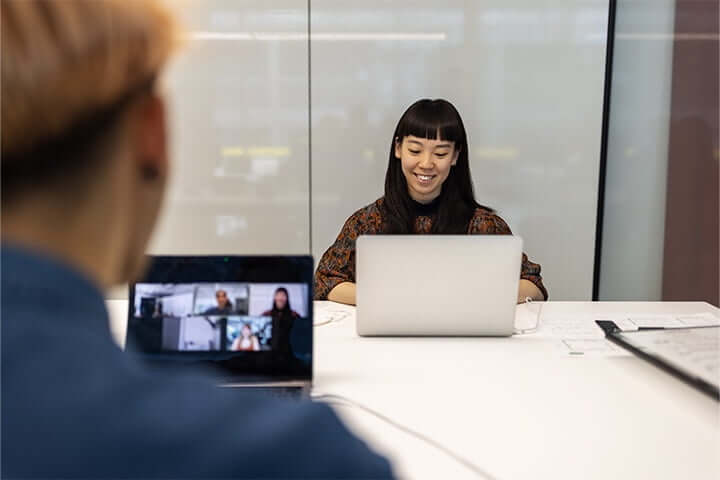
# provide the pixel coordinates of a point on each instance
(248, 316)
(437, 284)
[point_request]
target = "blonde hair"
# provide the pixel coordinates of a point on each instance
(63, 60)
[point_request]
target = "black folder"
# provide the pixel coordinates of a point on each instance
(691, 354)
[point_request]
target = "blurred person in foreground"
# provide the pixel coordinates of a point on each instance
(84, 169)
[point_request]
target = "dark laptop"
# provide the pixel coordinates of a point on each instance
(245, 319)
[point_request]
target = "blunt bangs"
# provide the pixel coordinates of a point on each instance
(433, 120)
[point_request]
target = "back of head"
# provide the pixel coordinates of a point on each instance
(71, 70)
(65, 65)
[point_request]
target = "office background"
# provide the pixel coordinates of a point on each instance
(282, 114)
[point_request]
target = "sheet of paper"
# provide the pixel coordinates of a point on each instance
(633, 322)
(624, 324)
(572, 335)
(664, 321)
(593, 347)
(579, 334)
(568, 326)
(700, 320)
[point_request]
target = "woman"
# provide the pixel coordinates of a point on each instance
(428, 189)
(283, 318)
(246, 341)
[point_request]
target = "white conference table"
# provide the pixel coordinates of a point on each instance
(519, 407)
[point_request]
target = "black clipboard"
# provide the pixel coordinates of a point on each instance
(625, 340)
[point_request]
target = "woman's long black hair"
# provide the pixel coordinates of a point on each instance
(456, 204)
(287, 308)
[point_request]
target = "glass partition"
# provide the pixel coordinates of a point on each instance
(660, 223)
(253, 79)
(527, 78)
(239, 125)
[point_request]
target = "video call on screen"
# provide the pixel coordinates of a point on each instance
(202, 317)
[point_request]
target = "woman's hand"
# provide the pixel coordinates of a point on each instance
(529, 289)
(345, 293)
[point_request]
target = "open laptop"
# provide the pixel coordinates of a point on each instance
(246, 318)
(437, 284)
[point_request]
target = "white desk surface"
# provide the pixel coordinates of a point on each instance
(518, 407)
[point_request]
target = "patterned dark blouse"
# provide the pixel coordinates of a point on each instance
(337, 264)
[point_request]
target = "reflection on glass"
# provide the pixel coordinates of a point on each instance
(239, 119)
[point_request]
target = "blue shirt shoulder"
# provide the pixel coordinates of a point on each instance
(74, 405)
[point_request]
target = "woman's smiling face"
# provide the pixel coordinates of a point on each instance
(426, 165)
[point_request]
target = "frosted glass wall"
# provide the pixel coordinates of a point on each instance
(527, 77)
(636, 172)
(249, 174)
(239, 119)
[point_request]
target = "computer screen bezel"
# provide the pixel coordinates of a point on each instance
(250, 269)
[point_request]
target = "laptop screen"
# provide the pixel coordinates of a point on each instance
(244, 314)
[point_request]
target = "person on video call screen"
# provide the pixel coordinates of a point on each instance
(224, 305)
(246, 341)
(283, 317)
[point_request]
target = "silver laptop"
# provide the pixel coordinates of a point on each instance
(437, 284)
